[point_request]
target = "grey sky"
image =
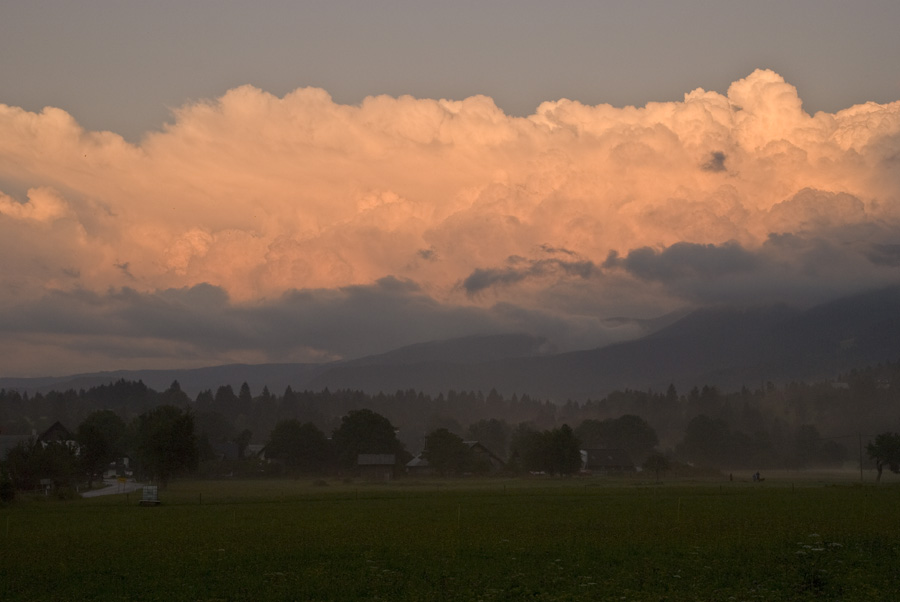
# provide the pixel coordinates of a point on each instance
(123, 66)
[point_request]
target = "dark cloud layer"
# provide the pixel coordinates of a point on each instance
(787, 268)
(522, 269)
(301, 325)
(685, 261)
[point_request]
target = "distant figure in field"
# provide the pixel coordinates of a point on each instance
(757, 478)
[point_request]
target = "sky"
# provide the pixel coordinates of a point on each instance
(185, 184)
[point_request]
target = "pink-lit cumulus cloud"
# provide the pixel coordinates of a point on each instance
(256, 228)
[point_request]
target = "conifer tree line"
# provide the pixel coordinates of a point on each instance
(307, 432)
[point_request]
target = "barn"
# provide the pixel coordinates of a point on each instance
(376, 467)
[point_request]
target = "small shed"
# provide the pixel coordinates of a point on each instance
(419, 467)
(376, 467)
(606, 461)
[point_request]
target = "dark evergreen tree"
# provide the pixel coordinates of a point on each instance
(244, 396)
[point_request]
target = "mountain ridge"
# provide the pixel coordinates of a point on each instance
(723, 346)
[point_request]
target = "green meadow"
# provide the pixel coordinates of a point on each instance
(530, 539)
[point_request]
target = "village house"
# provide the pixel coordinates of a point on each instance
(419, 466)
(486, 456)
(57, 433)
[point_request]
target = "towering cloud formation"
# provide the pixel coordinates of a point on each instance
(551, 222)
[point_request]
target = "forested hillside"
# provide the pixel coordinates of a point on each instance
(800, 424)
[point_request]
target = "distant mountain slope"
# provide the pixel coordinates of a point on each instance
(276, 376)
(723, 347)
(464, 350)
(719, 346)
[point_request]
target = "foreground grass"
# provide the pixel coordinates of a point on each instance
(482, 540)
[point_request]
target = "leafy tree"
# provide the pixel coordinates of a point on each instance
(885, 450)
(7, 490)
(492, 433)
(527, 448)
(365, 432)
(806, 445)
(657, 463)
(213, 424)
(706, 441)
(302, 447)
(165, 442)
(447, 423)
(555, 451)
(447, 454)
(30, 461)
(629, 432)
(23, 465)
(592, 432)
(205, 450)
(810, 449)
(101, 440)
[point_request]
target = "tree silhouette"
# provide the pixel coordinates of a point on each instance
(447, 454)
(656, 463)
(365, 432)
(302, 447)
(101, 441)
(165, 442)
(885, 450)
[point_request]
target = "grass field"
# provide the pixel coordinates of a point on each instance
(541, 539)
